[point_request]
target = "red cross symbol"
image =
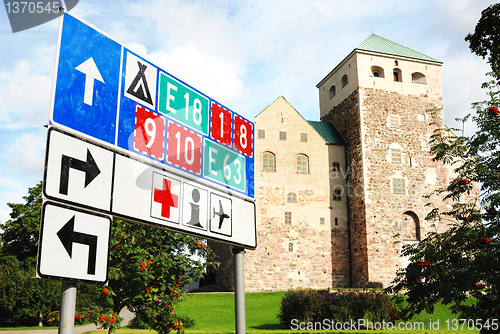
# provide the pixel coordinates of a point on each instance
(166, 198)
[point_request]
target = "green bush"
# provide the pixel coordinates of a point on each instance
(339, 306)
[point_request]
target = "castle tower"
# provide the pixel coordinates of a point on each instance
(302, 239)
(380, 99)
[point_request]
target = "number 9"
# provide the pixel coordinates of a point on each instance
(151, 132)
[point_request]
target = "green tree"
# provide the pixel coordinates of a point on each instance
(464, 261)
(148, 269)
(485, 41)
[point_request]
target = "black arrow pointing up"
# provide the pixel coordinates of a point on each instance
(89, 167)
(68, 236)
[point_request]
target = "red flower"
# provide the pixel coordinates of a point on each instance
(103, 318)
(484, 241)
(143, 266)
(395, 318)
(479, 286)
(180, 278)
(462, 182)
(111, 319)
(148, 289)
(76, 317)
(424, 264)
(177, 285)
(181, 327)
(203, 246)
(463, 218)
(491, 210)
(393, 310)
(493, 110)
(105, 291)
(117, 247)
(149, 262)
(172, 309)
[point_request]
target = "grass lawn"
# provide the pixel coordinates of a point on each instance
(214, 313)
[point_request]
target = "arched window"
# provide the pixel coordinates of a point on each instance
(397, 75)
(419, 78)
(332, 92)
(410, 228)
(268, 162)
(344, 80)
(302, 164)
(290, 247)
(291, 198)
(378, 72)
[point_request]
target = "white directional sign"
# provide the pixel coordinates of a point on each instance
(74, 244)
(78, 172)
(119, 185)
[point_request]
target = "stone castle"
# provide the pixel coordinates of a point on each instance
(337, 199)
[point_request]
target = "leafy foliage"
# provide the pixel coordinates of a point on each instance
(464, 261)
(341, 306)
(485, 41)
(148, 269)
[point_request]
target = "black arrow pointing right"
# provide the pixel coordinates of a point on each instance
(89, 167)
(68, 236)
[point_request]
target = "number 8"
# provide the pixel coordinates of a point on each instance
(243, 136)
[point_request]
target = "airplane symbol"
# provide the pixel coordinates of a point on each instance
(221, 214)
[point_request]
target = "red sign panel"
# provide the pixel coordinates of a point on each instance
(149, 133)
(184, 148)
(221, 123)
(243, 136)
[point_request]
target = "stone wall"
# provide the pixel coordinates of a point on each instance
(346, 118)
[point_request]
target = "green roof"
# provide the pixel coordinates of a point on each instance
(379, 44)
(328, 132)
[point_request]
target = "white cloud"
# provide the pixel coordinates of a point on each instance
(27, 155)
(24, 97)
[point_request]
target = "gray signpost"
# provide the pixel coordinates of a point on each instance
(120, 129)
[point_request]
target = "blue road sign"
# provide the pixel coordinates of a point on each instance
(110, 93)
(88, 77)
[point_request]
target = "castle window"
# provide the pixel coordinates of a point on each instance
(288, 218)
(336, 221)
(261, 134)
(268, 162)
(425, 143)
(377, 71)
(303, 137)
(422, 117)
(397, 75)
(419, 78)
(395, 63)
(337, 194)
(344, 80)
(302, 164)
(282, 135)
(322, 221)
(290, 247)
(332, 92)
(396, 155)
(336, 167)
(398, 186)
(394, 122)
(291, 198)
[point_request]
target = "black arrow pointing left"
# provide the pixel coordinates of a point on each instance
(68, 236)
(89, 167)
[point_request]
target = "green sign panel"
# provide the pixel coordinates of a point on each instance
(224, 166)
(183, 104)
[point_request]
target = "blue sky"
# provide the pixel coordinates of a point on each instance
(243, 53)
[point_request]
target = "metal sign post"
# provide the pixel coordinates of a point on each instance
(239, 290)
(68, 303)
